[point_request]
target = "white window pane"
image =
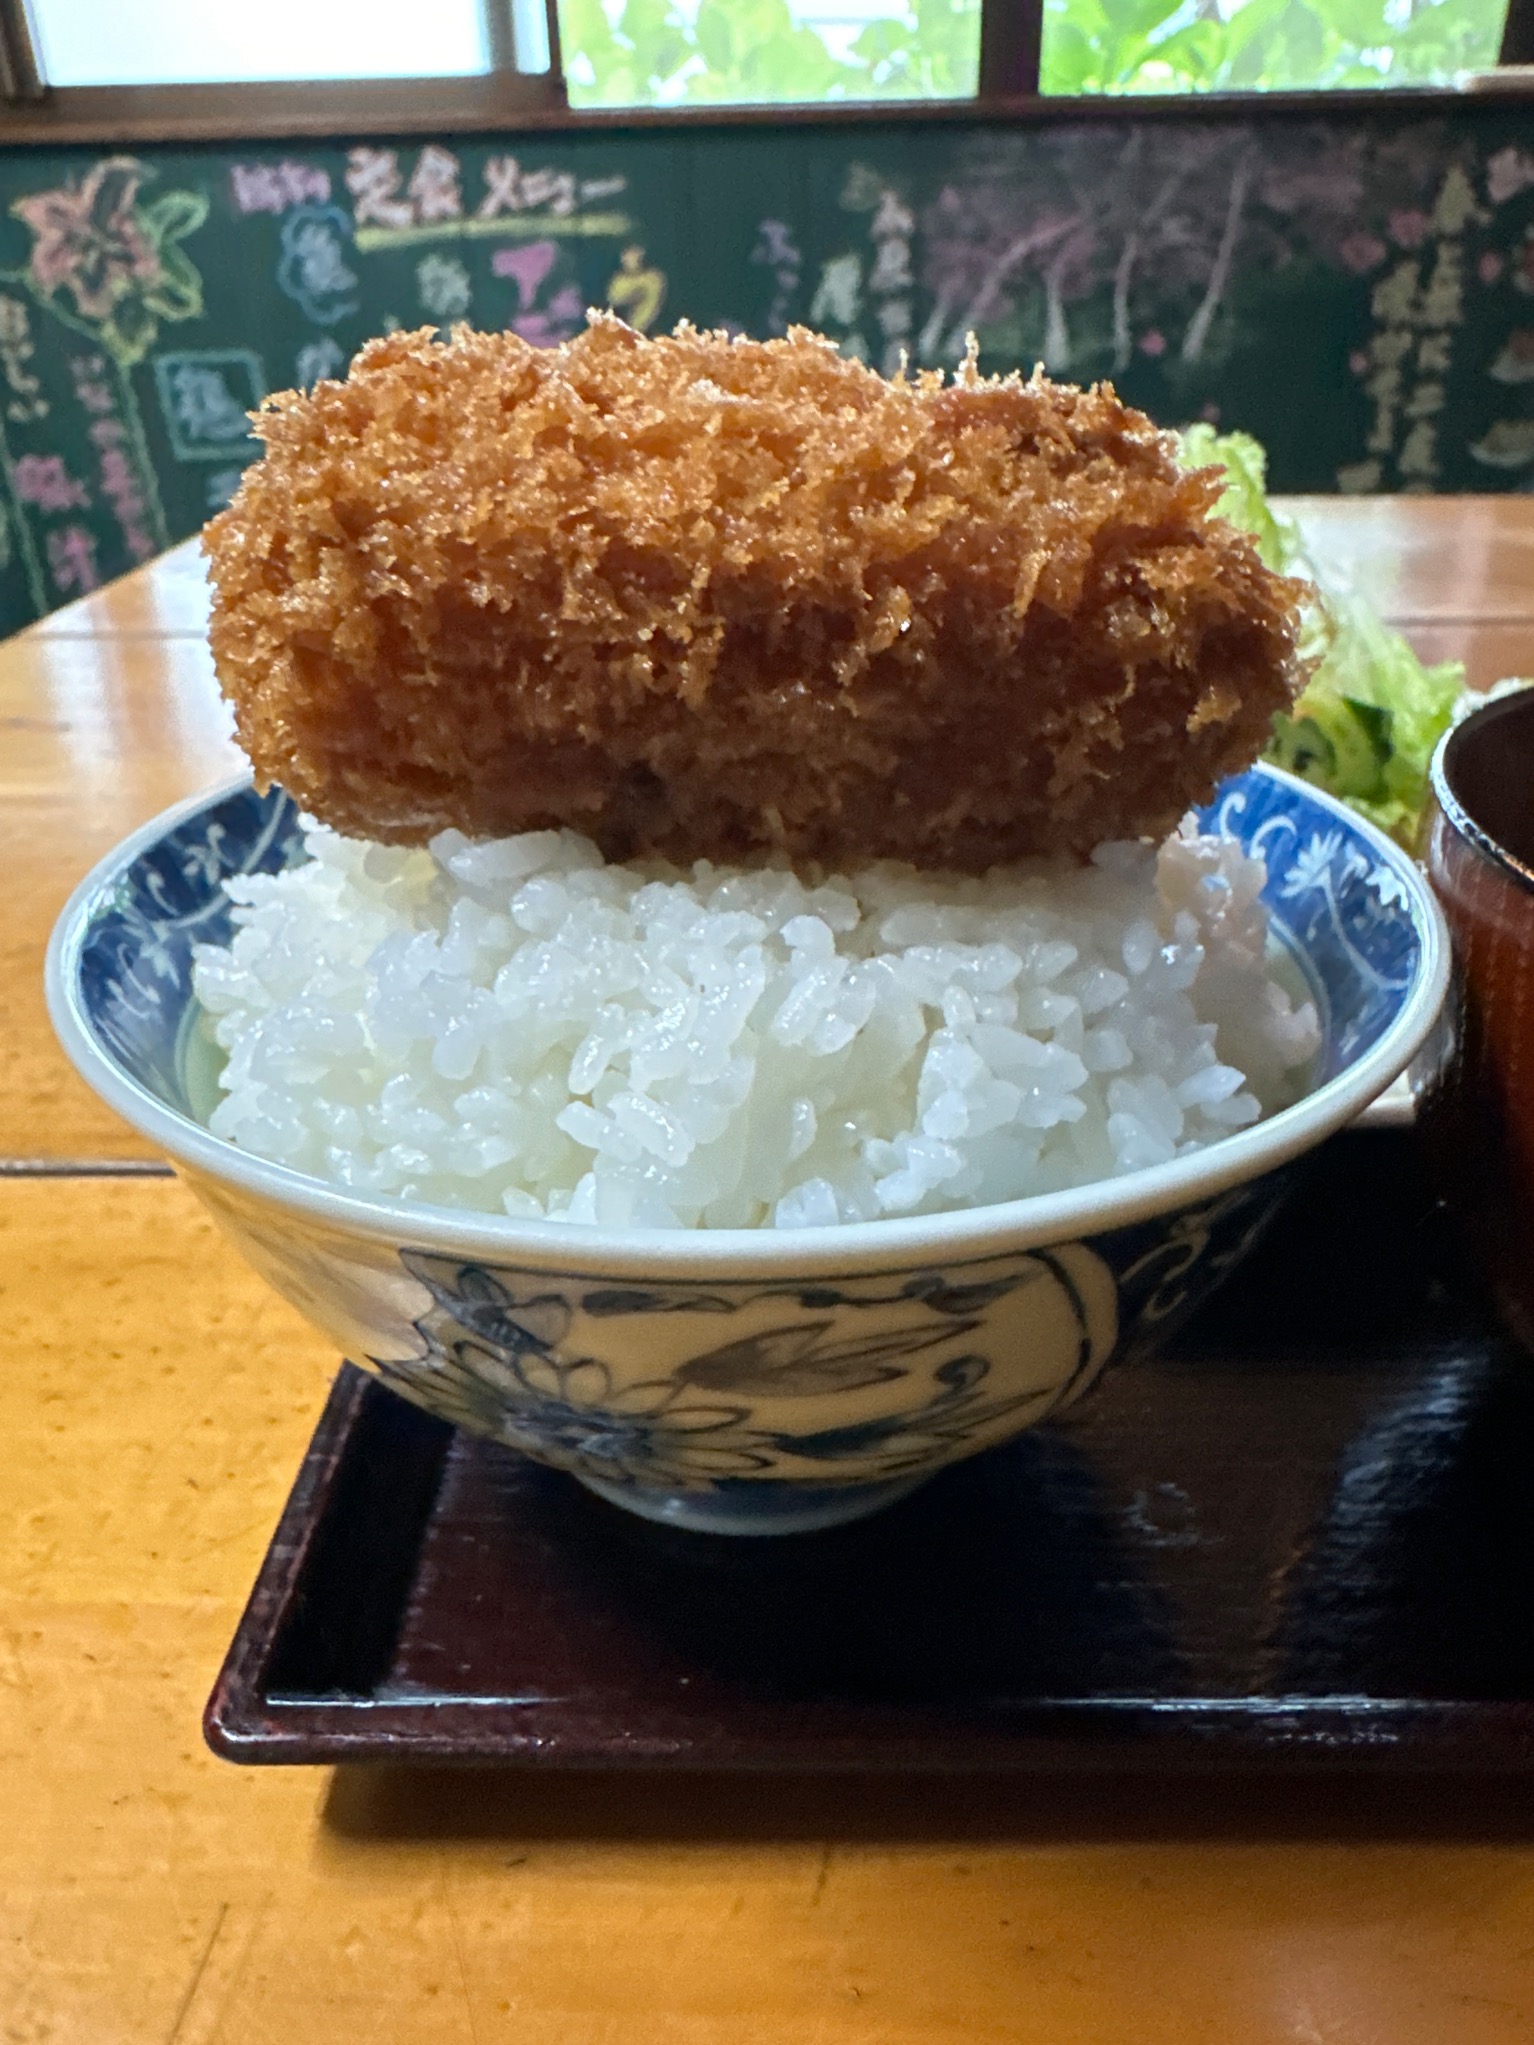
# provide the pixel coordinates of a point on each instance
(530, 35)
(184, 42)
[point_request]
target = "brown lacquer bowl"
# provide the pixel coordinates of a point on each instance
(1479, 852)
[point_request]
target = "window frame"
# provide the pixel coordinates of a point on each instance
(33, 112)
(1011, 35)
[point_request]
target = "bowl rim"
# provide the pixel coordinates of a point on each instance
(964, 1234)
(1441, 784)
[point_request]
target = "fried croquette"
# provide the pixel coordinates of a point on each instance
(709, 597)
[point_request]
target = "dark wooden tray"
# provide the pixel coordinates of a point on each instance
(1305, 1534)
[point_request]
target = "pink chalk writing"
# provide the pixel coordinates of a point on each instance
(528, 265)
(72, 560)
(91, 387)
(43, 480)
(119, 486)
(116, 477)
(274, 187)
(556, 323)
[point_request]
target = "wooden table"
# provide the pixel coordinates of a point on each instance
(154, 1404)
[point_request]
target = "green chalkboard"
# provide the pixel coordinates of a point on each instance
(1357, 291)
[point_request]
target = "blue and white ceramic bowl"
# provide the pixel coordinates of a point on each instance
(747, 1381)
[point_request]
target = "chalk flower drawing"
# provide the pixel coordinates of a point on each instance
(87, 239)
(118, 260)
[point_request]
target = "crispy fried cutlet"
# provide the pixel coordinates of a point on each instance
(715, 597)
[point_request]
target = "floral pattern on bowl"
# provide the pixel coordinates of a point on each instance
(771, 1393)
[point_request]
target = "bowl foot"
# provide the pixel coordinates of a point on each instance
(755, 1508)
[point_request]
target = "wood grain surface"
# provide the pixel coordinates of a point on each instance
(167, 598)
(97, 734)
(154, 1403)
(1467, 560)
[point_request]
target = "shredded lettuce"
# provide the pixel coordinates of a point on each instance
(1245, 499)
(1371, 713)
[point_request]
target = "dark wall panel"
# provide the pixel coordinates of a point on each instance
(1359, 292)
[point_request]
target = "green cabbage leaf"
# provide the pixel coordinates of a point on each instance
(1371, 713)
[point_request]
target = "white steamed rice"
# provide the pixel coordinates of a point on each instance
(518, 1027)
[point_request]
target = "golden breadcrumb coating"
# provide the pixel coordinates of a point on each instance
(713, 598)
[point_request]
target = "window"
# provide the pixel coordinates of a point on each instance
(164, 42)
(715, 52)
(1255, 45)
(127, 70)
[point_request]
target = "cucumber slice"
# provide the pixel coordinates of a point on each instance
(1300, 744)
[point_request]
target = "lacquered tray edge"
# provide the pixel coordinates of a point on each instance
(248, 1722)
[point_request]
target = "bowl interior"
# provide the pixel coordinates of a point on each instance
(1339, 907)
(133, 970)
